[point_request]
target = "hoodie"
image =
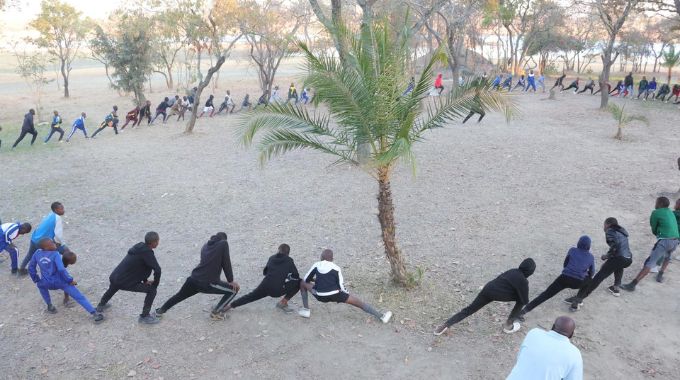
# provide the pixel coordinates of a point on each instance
(280, 269)
(579, 262)
(28, 122)
(214, 260)
(617, 240)
(52, 271)
(136, 267)
(512, 285)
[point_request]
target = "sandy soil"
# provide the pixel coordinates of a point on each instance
(485, 197)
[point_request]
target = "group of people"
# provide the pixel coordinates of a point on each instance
(167, 108)
(48, 257)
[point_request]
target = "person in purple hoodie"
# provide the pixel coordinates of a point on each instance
(578, 269)
(53, 276)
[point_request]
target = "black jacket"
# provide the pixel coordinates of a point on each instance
(617, 240)
(511, 285)
(28, 122)
(214, 260)
(279, 268)
(628, 80)
(136, 267)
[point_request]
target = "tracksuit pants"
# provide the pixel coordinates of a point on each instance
(482, 299)
(13, 256)
(23, 134)
(102, 127)
(614, 265)
(562, 282)
(74, 129)
(265, 289)
(192, 287)
(54, 130)
(150, 291)
(69, 289)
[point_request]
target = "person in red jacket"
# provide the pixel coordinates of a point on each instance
(131, 116)
(438, 83)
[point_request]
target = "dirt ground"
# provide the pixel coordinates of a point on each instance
(485, 197)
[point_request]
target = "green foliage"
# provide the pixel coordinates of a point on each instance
(623, 119)
(31, 67)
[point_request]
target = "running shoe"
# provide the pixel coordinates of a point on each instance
(304, 312)
(614, 291)
(386, 317)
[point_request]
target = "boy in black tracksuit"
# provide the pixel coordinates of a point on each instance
(510, 286)
(205, 278)
(132, 275)
(281, 278)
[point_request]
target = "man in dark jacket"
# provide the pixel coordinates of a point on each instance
(510, 286)
(27, 128)
(281, 278)
(618, 258)
(205, 278)
(578, 269)
(132, 275)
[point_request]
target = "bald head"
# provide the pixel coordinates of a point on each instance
(327, 255)
(564, 326)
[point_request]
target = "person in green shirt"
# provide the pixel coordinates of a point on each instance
(665, 227)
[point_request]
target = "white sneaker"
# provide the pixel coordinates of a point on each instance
(386, 317)
(304, 313)
(655, 269)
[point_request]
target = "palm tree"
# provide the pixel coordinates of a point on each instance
(623, 119)
(670, 60)
(370, 122)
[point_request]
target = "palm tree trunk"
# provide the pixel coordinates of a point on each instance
(388, 227)
(619, 134)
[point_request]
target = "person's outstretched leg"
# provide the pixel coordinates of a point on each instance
(257, 294)
(74, 293)
(45, 294)
(61, 133)
(35, 136)
(49, 135)
(110, 292)
(618, 273)
(479, 302)
(557, 286)
(481, 115)
(354, 301)
(14, 258)
(605, 271)
(187, 290)
(21, 137)
(468, 116)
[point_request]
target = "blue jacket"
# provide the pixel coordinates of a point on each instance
(79, 123)
(651, 85)
(52, 269)
(579, 262)
(9, 232)
(56, 120)
(45, 228)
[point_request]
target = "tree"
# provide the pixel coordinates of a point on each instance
(128, 49)
(623, 119)
(31, 67)
(613, 14)
(670, 60)
(168, 41)
(270, 35)
(62, 31)
(209, 32)
(364, 98)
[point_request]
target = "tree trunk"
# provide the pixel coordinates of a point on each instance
(388, 227)
(619, 134)
(64, 74)
(670, 68)
(201, 85)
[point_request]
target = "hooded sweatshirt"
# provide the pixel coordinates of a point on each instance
(214, 260)
(512, 285)
(136, 267)
(52, 271)
(279, 269)
(617, 240)
(28, 122)
(579, 262)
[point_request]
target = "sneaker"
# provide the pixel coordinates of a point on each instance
(570, 300)
(511, 329)
(659, 277)
(575, 306)
(629, 287)
(304, 312)
(160, 312)
(655, 269)
(386, 317)
(22, 271)
(51, 309)
(440, 330)
(614, 291)
(284, 307)
(97, 317)
(217, 316)
(14, 271)
(101, 308)
(149, 319)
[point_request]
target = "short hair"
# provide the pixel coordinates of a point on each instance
(326, 254)
(663, 201)
(42, 241)
(611, 221)
(151, 237)
(56, 205)
(221, 235)
(285, 249)
(26, 227)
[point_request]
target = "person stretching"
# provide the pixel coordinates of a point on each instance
(520, 83)
(55, 127)
(512, 285)
(674, 92)
(558, 82)
(629, 83)
(205, 278)
(292, 93)
(54, 276)
(144, 112)
(618, 258)
(132, 275)
(281, 278)
(476, 108)
(590, 85)
(439, 83)
(111, 120)
(208, 107)
(573, 85)
(651, 88)
(663, 91)
(507, 83)
(246, 104)
(324, 280)
(665, 228)
(609, 87)
(642, 86)
(226, 104)
(161, 110)
(531, 81)
(50, 227)
(131, 116)
(27, 128)
(9, 232)
(578, 268)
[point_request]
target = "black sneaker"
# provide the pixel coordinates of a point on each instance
(148, 319)
(629, 287)
(101, 308)
(97, 317)
(575, 306)
(160, 312)
(51, 309)
(614, 291)
(570, 300)
(659, 277)
(22, 272)
(14, 271)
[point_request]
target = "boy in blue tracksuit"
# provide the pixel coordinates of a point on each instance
(507, 83)
(54, 276)
(78, 124)
(531, 81)
(55, 127)
(50, 227)
(11, 231)
(495, 85)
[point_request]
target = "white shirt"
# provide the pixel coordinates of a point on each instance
(58, 231)
(547, 355)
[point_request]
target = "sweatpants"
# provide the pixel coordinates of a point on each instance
(13, 256)
(570, 87)
(69, 289)
(472, 112)
(74, 129)
(101, 128)
(586, 88)
(614, 265)
(158, 113)
(265, 289)
(31, 250)
(143, 115)
(150, 291)
(192, 287)
(54, 130)
(23, 134)
(128, 120)
(482, 299)
(562, 282)
(530, 84)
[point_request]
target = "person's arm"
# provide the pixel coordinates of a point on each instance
(522, 290)
(264, 271)
(341, 281)
(62, 270)
(610, 237)
(294, 270)
(309, 277)
(226, 264)
(151, 262)
(653, 222)
(566, 261)
(576, 371)
(58, 231)
(31, 269)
